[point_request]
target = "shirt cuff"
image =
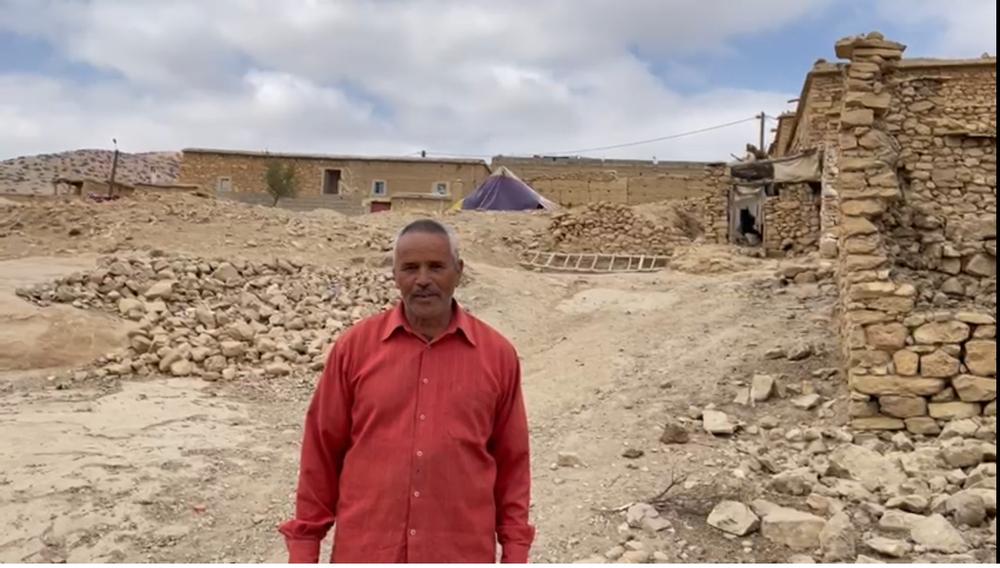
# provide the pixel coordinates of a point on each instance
(514, 554)
(302, 551)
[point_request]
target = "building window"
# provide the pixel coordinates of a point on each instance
(378, 187)
(441, 188)
(224, 184)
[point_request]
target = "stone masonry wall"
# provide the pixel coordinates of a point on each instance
(944, 229)
(791, 220)
(907, 367)
(578, 181)
(246, 170)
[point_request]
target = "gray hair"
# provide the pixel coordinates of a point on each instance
(432, 227)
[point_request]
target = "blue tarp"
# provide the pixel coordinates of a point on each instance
(504, 191)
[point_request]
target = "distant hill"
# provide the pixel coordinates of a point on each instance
(33, 175)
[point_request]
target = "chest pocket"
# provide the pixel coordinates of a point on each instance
(471, 404)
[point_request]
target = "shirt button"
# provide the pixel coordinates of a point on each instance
(420, 454)
(426, 380)
(416, 494)
(423, 417)
(413, 532)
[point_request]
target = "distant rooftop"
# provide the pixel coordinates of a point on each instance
(339, 157)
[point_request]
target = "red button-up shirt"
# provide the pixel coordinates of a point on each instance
(417, 450)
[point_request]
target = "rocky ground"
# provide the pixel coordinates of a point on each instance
(157, 355)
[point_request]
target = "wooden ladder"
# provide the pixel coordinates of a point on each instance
(593, 262)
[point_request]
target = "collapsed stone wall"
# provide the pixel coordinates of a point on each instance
(943, 230)
(907, 367)
(791, 220)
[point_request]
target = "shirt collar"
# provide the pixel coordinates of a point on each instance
(460, 321)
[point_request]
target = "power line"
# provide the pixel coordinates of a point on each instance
(615, 146)
(651, 140)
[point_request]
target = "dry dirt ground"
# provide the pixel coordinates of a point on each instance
(181, 470)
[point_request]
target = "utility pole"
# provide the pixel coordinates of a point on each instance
(114, 169)
(761, 116)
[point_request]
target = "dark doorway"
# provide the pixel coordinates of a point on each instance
(331, 182)
(748, 227)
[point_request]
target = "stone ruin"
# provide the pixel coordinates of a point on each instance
(915, 181)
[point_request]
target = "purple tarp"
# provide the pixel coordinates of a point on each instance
(504, 191)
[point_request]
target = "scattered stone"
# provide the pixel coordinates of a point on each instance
(761, 387)
(277, 369)
(837, 540)
(966, 455)
(966, 508)
(654, 525)
(232, 348)
(794, 529)
(806, 401)
(867, 466)
(717, 423)
(774, 353)
(965, 428)
(569, 459)
(895, 521)
(161, 289)
(936, 534)
(902, 442)
(615, 553)
(799, 352)
(638, 512)
(632, 453)
(795, 481)
(181, 368)
(909, 503)
(734, 518)
(889, 547)
(674, 433)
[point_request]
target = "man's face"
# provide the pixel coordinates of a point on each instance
(426, 273)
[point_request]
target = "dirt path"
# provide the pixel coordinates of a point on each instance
(174, 470)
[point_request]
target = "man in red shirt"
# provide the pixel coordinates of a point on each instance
(416, 441)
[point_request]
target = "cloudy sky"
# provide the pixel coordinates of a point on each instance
(463, 77)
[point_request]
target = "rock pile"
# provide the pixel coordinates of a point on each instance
(886, 496)
(612, 228)
(220, 319)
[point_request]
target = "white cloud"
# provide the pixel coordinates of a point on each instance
(964, 29)
(472, 77)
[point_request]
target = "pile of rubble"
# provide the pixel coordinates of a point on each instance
(220, 319)
(828, 494)
(612, 228)
(885, 496)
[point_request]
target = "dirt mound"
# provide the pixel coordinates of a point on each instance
(33, 175)
(217, 319)
(714, 259)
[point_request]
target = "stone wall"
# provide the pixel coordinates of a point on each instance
(943, 231)
(909, 366)
(577, 181)
(401, 175)
(791, 220)
(818, 115)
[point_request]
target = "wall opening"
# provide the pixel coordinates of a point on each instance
(331, 182)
